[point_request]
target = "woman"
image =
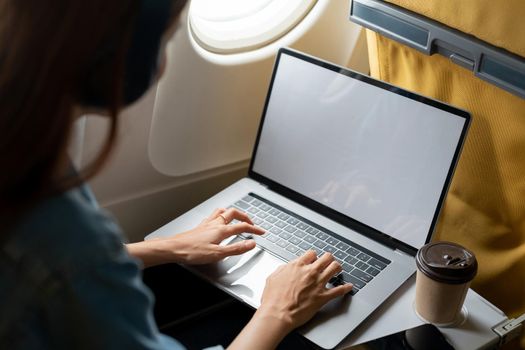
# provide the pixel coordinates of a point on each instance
(66, 279)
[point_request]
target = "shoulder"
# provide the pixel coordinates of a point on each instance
(68, 228)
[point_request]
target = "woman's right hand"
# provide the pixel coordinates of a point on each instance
(293, 294)
(296, 291)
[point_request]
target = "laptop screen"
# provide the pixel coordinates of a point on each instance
(370, 151)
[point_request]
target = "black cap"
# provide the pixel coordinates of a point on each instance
(447, 262)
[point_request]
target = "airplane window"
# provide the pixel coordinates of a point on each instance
(232, 26)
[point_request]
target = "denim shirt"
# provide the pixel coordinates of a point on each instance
(67, 282)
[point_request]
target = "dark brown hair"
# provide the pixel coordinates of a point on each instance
(47, 50)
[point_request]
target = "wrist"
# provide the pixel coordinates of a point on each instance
(154, 252)
(280, 321)
(264, 331)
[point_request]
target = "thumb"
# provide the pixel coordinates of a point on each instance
(237, 248)
(338, 291)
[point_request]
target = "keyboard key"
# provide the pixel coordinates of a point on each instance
(361, 265)
(257, 221)
(292, 221)
(302, 226)
(265, 225)
(347, 267)
(342, 246)
(274, 212)
(238, 208)
(331, 241)
(281, 224)
(377, 264)
(291, 248)
(361, 275)
(330, 249)
(285, 235)
(273, 238)
(310, 239)
(372, 271)
(290, 229)
(262, 214)
(271, 219)
(299, 233)
(352, 251)
(319, 244)
(247, 198)
(321, 235)
(282, 243)
(265, 207)
(351, 260)
(351, 279)
(299, 252)
(340, 255)
(275, 230)
(363, 257)
(253, 210)
(284, 216)
(305, 245)
(256, 202)
(294, 240)
(312, 231)
(336, 281)
(317, 251)
(242, 205)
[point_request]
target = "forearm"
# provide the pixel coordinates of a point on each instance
(263, 332)
(153, 252)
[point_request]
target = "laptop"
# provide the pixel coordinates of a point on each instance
(342, 163)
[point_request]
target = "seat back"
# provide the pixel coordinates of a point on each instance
(485, 207)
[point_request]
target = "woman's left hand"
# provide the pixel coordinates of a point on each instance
(200, 245)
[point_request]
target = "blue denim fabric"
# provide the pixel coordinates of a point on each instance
(67, 282)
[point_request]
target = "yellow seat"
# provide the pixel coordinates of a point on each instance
(485, 207)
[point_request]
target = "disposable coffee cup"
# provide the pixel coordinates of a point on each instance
(444, 273)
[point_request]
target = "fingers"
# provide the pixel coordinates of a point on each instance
(333, 268)
(242, 227)
(214, 215)
(322, 263)
(307, 258)
(236, 248)
(338, 291)
(234, 214)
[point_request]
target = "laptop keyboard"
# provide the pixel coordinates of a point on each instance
(288, 236)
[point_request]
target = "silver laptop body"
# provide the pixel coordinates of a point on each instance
(364, 162)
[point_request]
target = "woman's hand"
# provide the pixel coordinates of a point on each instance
(296, 291)
(201, 244)
(293, 294)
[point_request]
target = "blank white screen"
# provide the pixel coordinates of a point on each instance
(373, 155)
